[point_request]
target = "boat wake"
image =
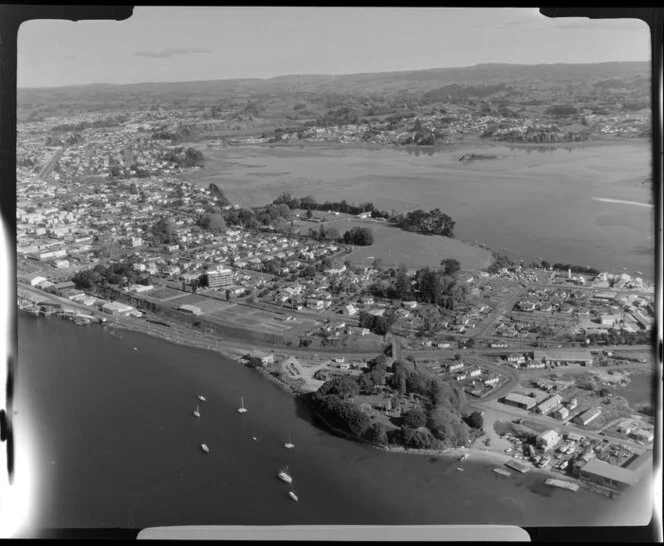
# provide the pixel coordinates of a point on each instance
(609, 200)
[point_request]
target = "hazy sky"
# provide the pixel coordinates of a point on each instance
(209, 43)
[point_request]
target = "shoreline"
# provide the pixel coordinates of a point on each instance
(475, 454)
(472, 141)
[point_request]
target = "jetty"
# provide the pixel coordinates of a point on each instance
(502, 472)
(562, 484)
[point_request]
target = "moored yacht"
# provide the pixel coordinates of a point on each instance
(284, 476)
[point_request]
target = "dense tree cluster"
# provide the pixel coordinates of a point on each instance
(500, 261)
(341, 116)
(212, 221)
(66, 139)
(358, 236)
(379, 325)
(116, 273)
(433, 222)
(112, 121)
(310, 203)
(576, 268)
(184, 157)
(561, 110)
(164, 231)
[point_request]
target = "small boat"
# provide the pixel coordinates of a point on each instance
(289, 444)
(293, 496)
(135, 349)
(254, 438)
(284, 476)
(459, 469)
(201, 398)
(242, 409)
(196, 412)
(205, 448)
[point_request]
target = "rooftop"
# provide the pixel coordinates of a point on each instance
(609, 471)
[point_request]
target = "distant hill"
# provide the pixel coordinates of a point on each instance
(388, 85)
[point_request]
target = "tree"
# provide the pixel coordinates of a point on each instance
(475, 420)
(309, 214)
(164, 230)
(414, 418)
(402, 285)
(450, 266)
(343, 386)
(358, 236)
(377, 434)
(212, 221)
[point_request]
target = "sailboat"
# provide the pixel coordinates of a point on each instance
(201, 398)
(293, 496)
(196, 412)
(242, 409)
(289, 444)
(205, 448)
(284, 476)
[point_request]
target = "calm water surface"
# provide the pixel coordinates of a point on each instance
(115, 444)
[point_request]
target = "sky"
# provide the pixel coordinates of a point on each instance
(168, 44)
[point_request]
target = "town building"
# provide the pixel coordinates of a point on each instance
(570, 356)
(519, 401)
(642, 435)
(547, 440)
(193, 309)
(549, 404)
(561, 413)
(587, 416)
(219, 278)
(263, 357)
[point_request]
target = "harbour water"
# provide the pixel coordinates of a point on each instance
(114, 443)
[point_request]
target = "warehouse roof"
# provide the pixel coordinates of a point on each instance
(609, 471)
(563, 354)
(520, 399)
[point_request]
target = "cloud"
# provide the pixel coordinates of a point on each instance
(170, 52)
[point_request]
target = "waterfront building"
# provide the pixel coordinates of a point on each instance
(116, 308)
(614, 477)
(519, 401)
(264, 358)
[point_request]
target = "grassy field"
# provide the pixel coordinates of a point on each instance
(394, 246)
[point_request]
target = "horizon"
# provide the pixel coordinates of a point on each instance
(295, 75)
(190, 44)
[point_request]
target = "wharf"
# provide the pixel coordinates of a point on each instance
(562, 484)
